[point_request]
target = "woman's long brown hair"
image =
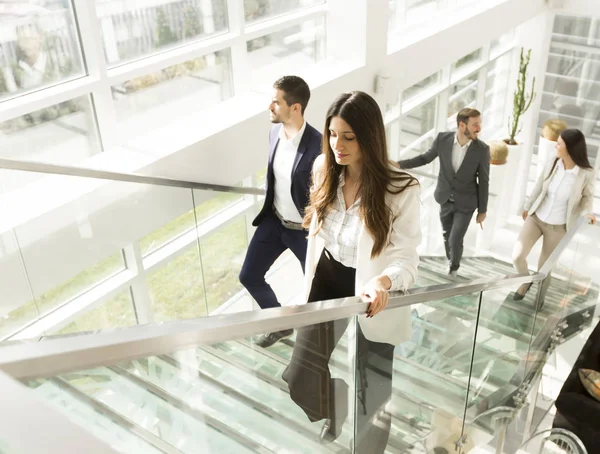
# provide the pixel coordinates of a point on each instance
(362, 113)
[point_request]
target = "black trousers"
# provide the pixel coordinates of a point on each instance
(269, 241)
(309, 379)
(454, 226)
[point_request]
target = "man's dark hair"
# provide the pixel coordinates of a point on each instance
(464, 114)
(295, 90)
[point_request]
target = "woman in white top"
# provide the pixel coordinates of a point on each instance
(561, 195)
(364, 230)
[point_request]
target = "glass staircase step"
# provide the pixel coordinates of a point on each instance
(124, 436)
(179, 426)
(240, 413)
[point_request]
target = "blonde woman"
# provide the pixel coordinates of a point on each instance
(561, 195)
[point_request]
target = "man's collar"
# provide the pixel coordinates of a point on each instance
(458, 143)
(296, 139)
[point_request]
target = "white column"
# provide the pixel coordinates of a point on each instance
(93, 50)
(239, 54)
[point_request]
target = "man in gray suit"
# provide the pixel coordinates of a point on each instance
(463, 180)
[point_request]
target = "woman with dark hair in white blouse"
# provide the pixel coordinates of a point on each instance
(561, 195)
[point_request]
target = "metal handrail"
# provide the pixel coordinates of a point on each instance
(31, 359)
(84, 172)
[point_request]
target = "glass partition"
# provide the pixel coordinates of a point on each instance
(63, 133)
(286, 51)
(258, 10)
(40, 46)
(135, 30)
(84, 254)
(229, 396)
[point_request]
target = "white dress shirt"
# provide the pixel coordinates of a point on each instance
(283, 164)
(458, 153)
(341, 229)
(553, 210)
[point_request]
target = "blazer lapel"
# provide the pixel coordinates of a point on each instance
(468, 155)
(447, 161)
(301, 149)
(273, 145)
(576, 190)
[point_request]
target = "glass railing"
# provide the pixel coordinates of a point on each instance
(180, 383)
(89, 250)
(473, 358)
(204, 385)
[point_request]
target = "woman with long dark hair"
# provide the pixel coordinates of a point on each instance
(561, 195)
(364, 229)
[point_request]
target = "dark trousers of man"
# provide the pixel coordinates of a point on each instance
(270, 240)
(309, 379)
(455, 224)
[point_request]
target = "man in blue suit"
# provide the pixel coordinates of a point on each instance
(294, 145)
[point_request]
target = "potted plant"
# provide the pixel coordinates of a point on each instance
(518, 160)
(521, 99)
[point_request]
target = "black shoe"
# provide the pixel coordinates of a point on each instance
(518, 297)
(269, 339)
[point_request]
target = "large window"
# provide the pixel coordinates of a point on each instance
(462, 94)
(496, 87)
(286, 52)
(152, 101)
(135, 29)
(61, 133)
(255, 10)
(38, 46)
(571, 91)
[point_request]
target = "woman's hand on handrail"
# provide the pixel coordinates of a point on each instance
(376, 292)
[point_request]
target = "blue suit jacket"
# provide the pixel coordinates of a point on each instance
(308, 150)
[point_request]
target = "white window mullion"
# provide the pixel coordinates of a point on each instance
(93, 51)
(482, 78)
(239, 52)
(140, 293)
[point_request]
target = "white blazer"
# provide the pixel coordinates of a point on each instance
(580, 201)
(394, 326)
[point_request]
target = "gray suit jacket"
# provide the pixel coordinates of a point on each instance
(470, 185)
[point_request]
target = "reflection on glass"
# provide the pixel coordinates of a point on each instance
(462, 94)
(135, 29)
(286, 51)
(502, 349)
(60, 133)
(154, 100)
(117, 312)
(99, 424)
(500, 44)
(260, 9)
(40, 46)
(575, 30)
(466, 60)
(432, 369)
(50, 299)
(416, 129)
(177, 288)
(420, 87)
(495, 97)
(223, 253)
(186, 222)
